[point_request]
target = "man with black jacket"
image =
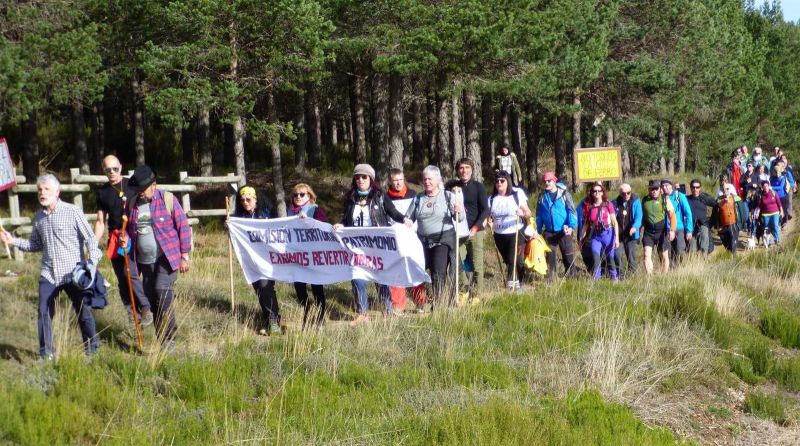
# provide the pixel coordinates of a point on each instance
(700, 202)
(476, 204)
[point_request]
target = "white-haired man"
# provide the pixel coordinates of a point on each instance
(61, 232)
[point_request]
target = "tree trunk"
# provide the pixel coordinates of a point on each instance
(458, 145)
(417, 136)
(138, 122)
(532, 143)
(312, 128)
(671, 144)
(380, 138)
(30, 148)
(576, 137)
(516, 137)
(502, 122)
(434, 155)
(301, 139)
(238, 149)
(98, 125)
(357, 119)
(682, 148)
(487, 153)
(79, 138)
(662, 161)
(275, 149)
(333, 131)
(203, 133)
(558, 147)
(188, 141)
(443, 136)
(396, 130)
(610, 137)
(473, 134)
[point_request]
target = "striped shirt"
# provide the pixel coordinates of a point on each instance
(61, 235)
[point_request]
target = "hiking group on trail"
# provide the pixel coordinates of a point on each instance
(149, 237)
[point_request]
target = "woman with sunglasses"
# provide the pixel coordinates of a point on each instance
(251, 203)
(366, 205)
(600, 229)
(304, 205)
(508, 210)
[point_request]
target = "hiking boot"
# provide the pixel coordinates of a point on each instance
(262, 331)
(145, 317)
(274, 328)
(360, 319)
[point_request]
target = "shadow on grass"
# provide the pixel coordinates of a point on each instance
(8, 351)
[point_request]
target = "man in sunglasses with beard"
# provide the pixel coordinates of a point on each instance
(110, 205)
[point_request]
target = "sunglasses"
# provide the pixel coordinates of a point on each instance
(112, 169)
(695, 187)
(299, 194)
(597, 191)
(500, 180)
(361, 177)
(549, 181)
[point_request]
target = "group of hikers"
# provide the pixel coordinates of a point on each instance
(149, 238)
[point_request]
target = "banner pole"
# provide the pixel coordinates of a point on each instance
(230, 256)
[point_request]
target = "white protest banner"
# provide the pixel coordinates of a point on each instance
(8, 177)
(297, 249)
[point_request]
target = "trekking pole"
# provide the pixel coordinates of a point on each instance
(230, 256)
(514, 277)
(130, 286)
(458, 248)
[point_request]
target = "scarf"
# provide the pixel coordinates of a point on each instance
(397, 195)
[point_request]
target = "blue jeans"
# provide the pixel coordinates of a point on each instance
(773, 223)
(47, 307)
(361, 298)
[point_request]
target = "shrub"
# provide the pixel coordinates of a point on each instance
(768, 407)
(686, 301)
(787, 374)
(760, 355)
(780, 325)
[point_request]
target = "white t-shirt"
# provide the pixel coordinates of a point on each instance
(361, 215)
(504, 212)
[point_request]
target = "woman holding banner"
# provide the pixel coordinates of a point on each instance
(434, 211)
(366, 205)
(254, 204)
(304, 205)
(509, 210)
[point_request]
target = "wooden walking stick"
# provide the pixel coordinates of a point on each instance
(230, 256)
(130, 287)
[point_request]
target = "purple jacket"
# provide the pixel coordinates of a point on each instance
(173, 233)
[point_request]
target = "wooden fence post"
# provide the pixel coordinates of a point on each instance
(77, 200)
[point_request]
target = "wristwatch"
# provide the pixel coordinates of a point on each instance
(185, 257)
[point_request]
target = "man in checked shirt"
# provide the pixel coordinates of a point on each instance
(61, 232)
(161, 240)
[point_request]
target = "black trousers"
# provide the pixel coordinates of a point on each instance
(437, 258)
(729, 235)
(319, 297)
(267, 300)
(627, 247)
(505, 244)
(158, 281)
(564, 243)
(142, 302)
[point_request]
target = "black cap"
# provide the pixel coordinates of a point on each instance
(666, 181)
(502, 174)
(654, 184)
(141, 179)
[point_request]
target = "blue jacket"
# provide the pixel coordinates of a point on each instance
(778, 184)
(683, 212)
(636, 214)
(91, 284)
(553, 213)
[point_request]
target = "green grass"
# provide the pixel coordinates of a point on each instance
(768, 407)
(571, 363)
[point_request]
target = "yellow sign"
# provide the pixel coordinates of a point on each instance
(598, 164)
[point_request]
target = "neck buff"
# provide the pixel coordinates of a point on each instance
(397, 194)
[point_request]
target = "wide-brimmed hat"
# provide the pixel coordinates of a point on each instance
(141, 179)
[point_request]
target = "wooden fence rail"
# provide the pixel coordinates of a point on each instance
(79, 184)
